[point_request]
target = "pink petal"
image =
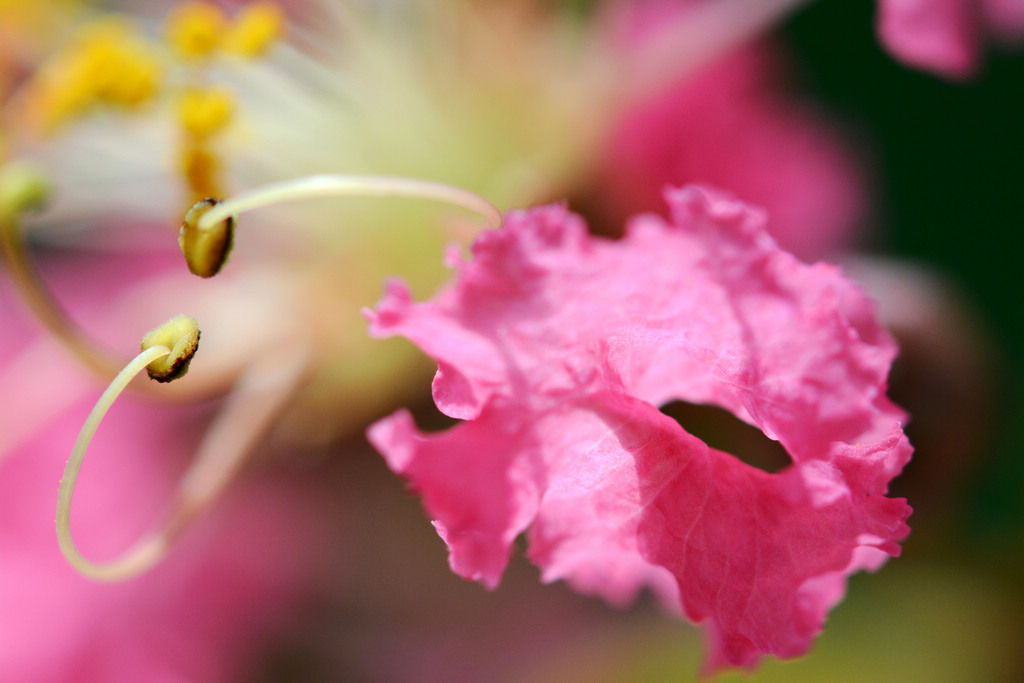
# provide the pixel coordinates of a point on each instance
(1005, 20)
(731, 124)
(559, 347)
(943, 36)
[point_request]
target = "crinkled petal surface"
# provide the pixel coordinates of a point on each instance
(556, 349)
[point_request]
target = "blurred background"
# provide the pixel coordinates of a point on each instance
(925, 204)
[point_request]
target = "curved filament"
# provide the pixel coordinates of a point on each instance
(249, 410)
(340, 185)
(45, 307)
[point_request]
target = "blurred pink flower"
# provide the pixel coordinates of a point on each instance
(947, 36)
(198, 616)
(731, 125)
(557, 348)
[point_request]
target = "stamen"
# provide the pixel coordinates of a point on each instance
(205, 249)
(182, 336)
(205, 111)
(207, 232)
(194, 29)
(256, 27)
(201, 169)
(106, 63)
(217, 218)
(336, 185)
(21, 190)
(250, 409)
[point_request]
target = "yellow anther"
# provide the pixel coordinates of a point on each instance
(116, 65)
(203, 112)
(255, 28)
(60, 94)
(127, 76)
(195, 29)
(106, 63)
(201, 169)
(179, 334)
(205, 250)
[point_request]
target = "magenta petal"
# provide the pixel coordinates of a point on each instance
(939, 35)
(558, 348)
(482, 494)
(731, 124)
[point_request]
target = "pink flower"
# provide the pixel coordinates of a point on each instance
(556, 349)
(731, 125)
(946, 36)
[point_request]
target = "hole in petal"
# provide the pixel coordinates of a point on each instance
(724, 431)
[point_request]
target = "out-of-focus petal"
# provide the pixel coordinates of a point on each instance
(947, 37)
(199, 616)
(1005, 19)
(728, 121)
(938, 35)
(731, 125)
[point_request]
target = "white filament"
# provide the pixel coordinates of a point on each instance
(340, 185)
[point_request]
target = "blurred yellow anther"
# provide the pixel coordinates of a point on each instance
(195, 29)
(255, 28)
(205, 248)
(106, 63)
(203, 112)
(179, 334)
(126, 78)
(201, 169)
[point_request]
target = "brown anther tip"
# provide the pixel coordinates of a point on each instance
(205, 251)
(181, 335)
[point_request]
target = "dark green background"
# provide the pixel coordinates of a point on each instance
(950, 164)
